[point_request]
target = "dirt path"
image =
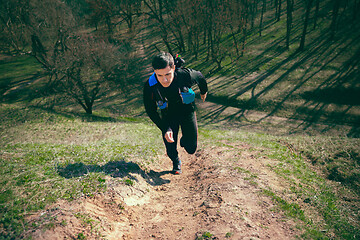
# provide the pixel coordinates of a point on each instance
(218, 195)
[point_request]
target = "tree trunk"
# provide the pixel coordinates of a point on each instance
(244, 38)
(233, 34)
(253, 13)
(158, 15)
(89, 110)
(289, 22)
(335, 15)
(306, 22)
(262, 17)
(279, 11)
(356, 10)
(316, 12)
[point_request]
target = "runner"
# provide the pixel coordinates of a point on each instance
(169, 89)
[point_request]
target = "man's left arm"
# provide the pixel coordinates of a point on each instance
(200, 80)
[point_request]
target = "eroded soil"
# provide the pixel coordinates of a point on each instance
(218, 195)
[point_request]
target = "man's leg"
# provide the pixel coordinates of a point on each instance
(171, 149)
(190, 133)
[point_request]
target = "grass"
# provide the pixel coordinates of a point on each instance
(47, 156)
(204, 236)
(66, 158)
(9, 68)
(325, 208)
(12, 78)
(50, 155)
(317, 85)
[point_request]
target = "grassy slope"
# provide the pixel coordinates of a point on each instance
(318, 85)
(47, 155)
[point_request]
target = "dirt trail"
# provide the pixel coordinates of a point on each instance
(219, 193)
(210, 196)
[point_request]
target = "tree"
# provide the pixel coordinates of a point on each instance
(245, 17)
(262, 16)
(128, 10)
(193, 21)
(335, 13)
(278, 10)
(308, 4)
(289, 20)
(214, 30)
(84, 70)
(356, 9)
(316, 15)
(157, 11)
(81, 66)
(102, 10)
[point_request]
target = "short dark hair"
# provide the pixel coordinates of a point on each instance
(162, 60)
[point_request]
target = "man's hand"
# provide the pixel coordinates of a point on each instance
(203, 97)
(169, 137)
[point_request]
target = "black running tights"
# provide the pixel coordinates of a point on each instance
(188, 124)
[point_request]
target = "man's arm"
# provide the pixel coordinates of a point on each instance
(151, 108)
(199, 79)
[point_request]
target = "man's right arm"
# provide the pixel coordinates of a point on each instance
(151, 108)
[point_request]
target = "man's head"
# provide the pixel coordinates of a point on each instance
(164, 68)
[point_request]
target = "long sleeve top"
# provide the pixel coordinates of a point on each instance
(183, 77)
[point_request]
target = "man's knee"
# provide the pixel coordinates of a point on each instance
(191, 149)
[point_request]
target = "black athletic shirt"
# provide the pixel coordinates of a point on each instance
(183, 77)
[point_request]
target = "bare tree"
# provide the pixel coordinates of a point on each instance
(244, 26)
(102, 11)
(308, 5)
(289, 20)
(194, 24)
(316, 14)
(83, 71)
(128, 10)
(263, 8)
(356, 10)
(157, 11)
(78, 65)
(278, 11)
(335, 14)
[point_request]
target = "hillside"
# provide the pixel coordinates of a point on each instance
(105, 177)
(278, 153)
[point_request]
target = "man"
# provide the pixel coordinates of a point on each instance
(169, 89)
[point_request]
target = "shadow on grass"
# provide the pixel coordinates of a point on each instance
(116, 169)
(341, 89)
(341, 95)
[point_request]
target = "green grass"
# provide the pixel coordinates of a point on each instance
(10, 68)
(17, 73)
(47, 156)
(204, 236)
(45, 160)
(317, 85)
(60, 154)
(311, 193)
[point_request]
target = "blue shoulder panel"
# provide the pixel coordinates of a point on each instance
(152, 80)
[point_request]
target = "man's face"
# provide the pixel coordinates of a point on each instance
(165, 76)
